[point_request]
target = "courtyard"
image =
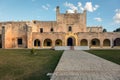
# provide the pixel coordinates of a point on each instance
(19, 64)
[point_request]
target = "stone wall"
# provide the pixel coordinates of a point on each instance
(68, 26)
(12, 32)
(94, 29)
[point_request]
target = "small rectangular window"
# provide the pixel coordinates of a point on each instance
(41, 30)
(69, 28)
(51, 30)
(19, 41)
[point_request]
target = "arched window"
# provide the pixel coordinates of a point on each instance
(51, 30)
(69, 28)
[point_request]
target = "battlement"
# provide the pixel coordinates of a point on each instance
(94, 29)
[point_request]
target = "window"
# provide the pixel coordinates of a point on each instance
(41, 30)
(19, 41)
(51, 30)
(70, 28)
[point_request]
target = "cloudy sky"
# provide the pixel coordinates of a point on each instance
(104, 13)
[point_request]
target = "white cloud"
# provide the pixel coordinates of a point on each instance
(80, 6)
(71, 7)
(70, 11)
(98, 19)
(88, 6)
(117, 16)
(46, 7)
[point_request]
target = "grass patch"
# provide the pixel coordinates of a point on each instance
(19, 64)
(111, 55)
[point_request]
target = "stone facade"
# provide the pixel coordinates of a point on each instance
(69, 29)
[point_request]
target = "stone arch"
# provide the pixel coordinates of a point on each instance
(95, 42)
(117, 42)
(37, 43)
(106, 42)
(47, 42)
(84, 42)
(71, 41)
(58, 42)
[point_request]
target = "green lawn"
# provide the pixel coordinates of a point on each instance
(111, 55)
(19, 64)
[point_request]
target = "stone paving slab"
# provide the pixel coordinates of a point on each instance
(80, 65)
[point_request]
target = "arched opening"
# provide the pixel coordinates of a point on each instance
(37, 43)
(95, 42)
(71, 41)
(58, 42)
(47, 42)
(117, 42)
(84, 42)
(106, 42)
(0, 41)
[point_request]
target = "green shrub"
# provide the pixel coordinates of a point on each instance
(33, 52)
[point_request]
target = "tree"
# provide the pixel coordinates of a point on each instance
(117, 30)
(104, 30)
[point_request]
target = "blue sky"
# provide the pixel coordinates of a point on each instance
(104, 13)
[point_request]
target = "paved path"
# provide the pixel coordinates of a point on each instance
(80, 65)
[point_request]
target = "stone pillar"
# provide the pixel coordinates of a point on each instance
(53, 43)
(3, 36)
(7, 36)
(101, 43)
(29, 37)
(111, 43)
(89, 44)
(41, 44)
